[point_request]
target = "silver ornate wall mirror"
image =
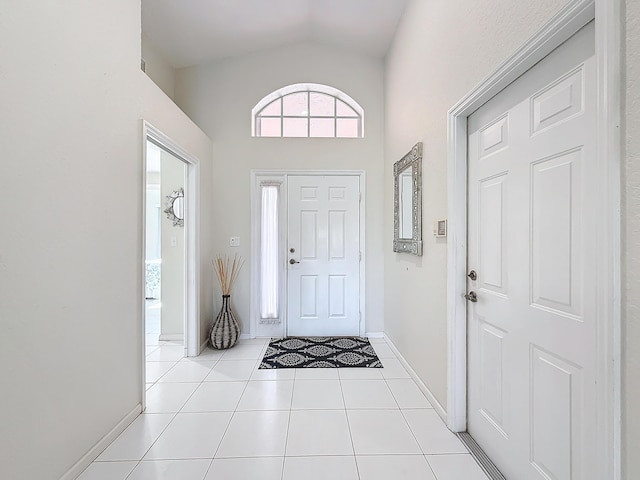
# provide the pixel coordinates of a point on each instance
(407, 202)
(175, 207)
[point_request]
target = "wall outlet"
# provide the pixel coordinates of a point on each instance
(234, 241)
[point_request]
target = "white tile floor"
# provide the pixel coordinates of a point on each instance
(218, 417)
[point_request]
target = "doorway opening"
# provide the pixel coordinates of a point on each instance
(605, 456)
(170, 275)
(165, 261)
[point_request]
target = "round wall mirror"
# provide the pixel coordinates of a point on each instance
(175, 207)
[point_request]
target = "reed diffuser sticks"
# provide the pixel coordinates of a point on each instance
(227, 271)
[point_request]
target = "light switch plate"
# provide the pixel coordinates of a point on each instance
(234, 241)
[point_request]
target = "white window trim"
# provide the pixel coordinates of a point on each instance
(308, 87)
(276, 327)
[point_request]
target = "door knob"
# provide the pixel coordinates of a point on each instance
(471, 296)
(292, 261)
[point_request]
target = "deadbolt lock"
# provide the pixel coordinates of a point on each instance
(471, 296)
(473, 275)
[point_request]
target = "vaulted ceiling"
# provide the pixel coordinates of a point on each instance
(192, 32)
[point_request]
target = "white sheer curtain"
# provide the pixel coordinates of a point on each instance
(269, 291)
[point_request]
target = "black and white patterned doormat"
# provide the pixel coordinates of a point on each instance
(320, 352)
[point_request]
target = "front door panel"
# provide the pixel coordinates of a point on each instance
(323, 244)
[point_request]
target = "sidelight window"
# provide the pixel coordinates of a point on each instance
(269, 253)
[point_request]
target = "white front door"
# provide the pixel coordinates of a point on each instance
(324, 244)
(532, 333)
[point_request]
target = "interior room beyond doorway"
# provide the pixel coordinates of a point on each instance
(164, 261)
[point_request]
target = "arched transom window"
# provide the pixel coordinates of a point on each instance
(308, 110)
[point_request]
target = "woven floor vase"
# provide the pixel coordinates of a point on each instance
(225, 330)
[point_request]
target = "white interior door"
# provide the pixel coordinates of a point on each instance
(323, 242)
(532, 335)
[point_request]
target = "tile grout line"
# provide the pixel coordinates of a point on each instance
(214, 362)
(233, 414)
(152, 444)
(208, 468)
(426, 458)
(286, 438)
(175, 362)
(174, 416)
(257, 367)
(353, 447)
(230, 418)
(424, 455)
(235, 410)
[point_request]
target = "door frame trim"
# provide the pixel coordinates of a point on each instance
(283, 175)
(192, 242)
(572, 17)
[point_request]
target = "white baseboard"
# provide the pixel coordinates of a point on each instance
(421, 385)
(103, 443)
(204, 345)
(171, 337)
(374, 335)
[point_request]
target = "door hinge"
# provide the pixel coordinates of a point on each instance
(360, 256)
(360, 197)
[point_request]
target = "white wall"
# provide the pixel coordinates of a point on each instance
(172, 283)
(152, 249)
(631, 247)
(157, 68)
(153, 206)
(441, 51)
(71, 255)
(219, 98)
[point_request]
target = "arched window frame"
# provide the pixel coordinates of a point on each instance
(309, 88)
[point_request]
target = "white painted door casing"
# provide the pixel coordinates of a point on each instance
(532, 343)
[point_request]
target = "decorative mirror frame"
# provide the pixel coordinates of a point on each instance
(411, 245)
(171, 215)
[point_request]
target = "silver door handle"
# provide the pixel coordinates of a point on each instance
(471, 296)
(293, 262)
